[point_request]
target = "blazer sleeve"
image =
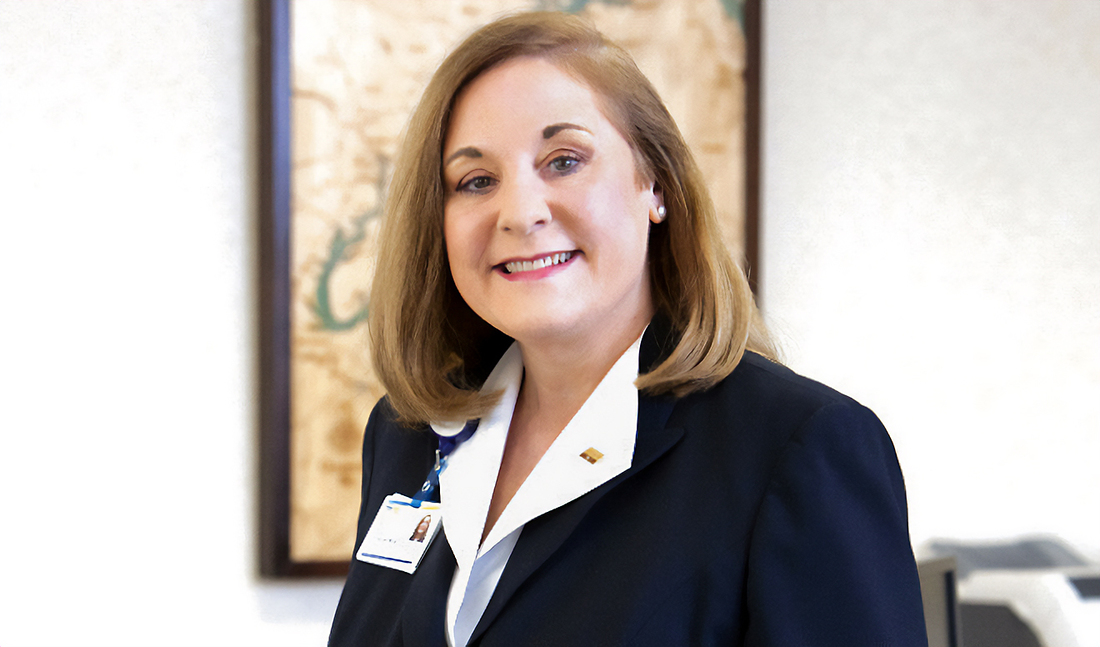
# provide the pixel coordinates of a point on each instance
(345, 624)
(830, 560)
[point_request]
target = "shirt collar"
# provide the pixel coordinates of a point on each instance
(596, 446)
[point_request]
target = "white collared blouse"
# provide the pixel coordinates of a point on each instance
(606, 423)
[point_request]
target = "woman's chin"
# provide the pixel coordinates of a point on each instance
(536, 332)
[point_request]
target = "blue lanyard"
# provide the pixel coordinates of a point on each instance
(447, 445)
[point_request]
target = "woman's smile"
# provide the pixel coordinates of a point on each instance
(519, 270)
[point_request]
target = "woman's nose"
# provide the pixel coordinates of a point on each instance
(523, 206)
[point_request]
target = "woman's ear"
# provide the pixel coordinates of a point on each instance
(657, 212)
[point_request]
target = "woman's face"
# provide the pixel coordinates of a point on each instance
(546, 217)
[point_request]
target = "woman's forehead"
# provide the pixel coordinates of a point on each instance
(526, 84)
(532, 92)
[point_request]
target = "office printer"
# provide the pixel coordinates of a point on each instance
(1032, 592)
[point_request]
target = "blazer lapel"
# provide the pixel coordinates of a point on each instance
(541, 537)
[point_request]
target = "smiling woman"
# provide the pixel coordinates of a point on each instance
(574, 364)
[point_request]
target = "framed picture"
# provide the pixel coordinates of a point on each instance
(339, 80)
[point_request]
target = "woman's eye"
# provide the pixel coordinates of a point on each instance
(476, 184)
(564, 164)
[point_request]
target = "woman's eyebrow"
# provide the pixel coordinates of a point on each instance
(550, 131)
(468, 151)
(547, 133)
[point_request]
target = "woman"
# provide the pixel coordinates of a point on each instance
(555, 314)
(421, 532)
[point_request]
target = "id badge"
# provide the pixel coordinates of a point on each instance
(400, 533)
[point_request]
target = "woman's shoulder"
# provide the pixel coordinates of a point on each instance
(386, 435)
(767, 382)
(764, 402)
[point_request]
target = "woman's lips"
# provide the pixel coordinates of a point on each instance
(536, 267)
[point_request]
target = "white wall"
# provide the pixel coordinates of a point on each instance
(128, 346)
(932, 244)
(931, 228)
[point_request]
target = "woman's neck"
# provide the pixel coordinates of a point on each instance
(561, 372)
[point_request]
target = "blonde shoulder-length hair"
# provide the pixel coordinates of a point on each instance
(431, 351)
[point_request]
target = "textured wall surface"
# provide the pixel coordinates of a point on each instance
(128, 426)
(932, 244)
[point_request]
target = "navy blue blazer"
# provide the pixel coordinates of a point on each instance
(768, 510)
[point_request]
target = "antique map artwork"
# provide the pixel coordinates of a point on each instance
(358, 68)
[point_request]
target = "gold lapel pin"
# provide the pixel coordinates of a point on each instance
(592, 455)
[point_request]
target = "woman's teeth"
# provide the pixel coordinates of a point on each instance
(537, 264)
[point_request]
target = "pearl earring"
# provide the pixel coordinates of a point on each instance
(661, 213)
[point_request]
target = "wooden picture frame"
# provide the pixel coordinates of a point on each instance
(297, 117)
